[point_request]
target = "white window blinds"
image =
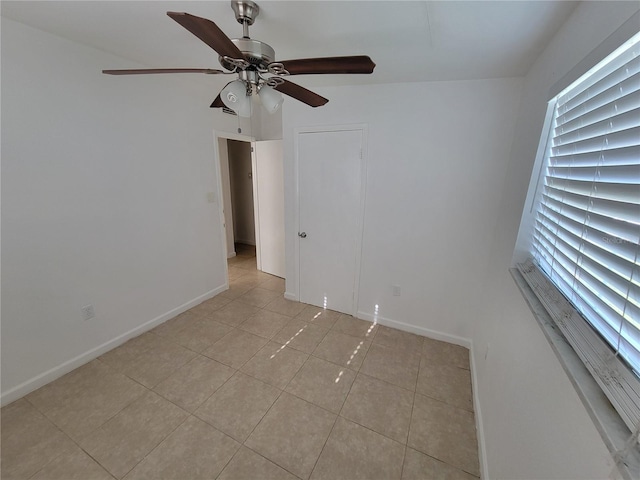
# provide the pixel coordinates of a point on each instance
(587, 228)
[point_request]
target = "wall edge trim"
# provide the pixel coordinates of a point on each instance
(482, 450)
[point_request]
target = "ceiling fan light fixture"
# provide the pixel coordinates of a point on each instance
(271, 99)
(235, 97)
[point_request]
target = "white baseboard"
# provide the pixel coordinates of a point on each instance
(407, 327)
(52, 374)
(246, 242)
(291, 296)
(456, 340)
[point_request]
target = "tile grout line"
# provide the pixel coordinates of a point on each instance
(62, 453)
(240, 445)
(103, 423)
(299, 398)
(446, 403)
(404, 454)
(413, 403)
(440, 401)
(269, 409)
(369, 428)
(236, 370)
(335, 420)
(281, 390)
(267, 459)
(160, 442)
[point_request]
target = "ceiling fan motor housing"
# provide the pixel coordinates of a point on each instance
(257, 53)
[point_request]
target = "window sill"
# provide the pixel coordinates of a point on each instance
(612, 429)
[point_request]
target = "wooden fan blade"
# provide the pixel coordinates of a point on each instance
(301, 93)
(217, 103)
(306, 66)
(142, 71)
(208, 32)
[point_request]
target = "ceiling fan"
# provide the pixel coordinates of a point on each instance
(254, 63)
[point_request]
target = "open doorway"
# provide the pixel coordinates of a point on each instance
(243, 224)
(226, 193)
(252, 183)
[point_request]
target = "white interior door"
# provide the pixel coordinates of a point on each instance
(330, 182)
(268, 195)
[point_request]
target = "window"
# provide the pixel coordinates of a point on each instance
(586, 232)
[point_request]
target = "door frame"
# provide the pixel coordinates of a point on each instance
(363, 128)
(217, 137)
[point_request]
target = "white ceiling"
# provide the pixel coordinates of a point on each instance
(408, 40)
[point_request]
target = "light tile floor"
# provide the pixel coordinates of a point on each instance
(251, 386)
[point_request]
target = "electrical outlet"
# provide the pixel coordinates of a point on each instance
(396, 290)
(88, 312)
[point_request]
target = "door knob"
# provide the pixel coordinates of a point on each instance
(302, 234)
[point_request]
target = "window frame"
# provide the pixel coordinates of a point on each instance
(617, 436)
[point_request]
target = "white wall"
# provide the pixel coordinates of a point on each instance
(437, 153)
(270, 127)
(104, 202)
(534, 424)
